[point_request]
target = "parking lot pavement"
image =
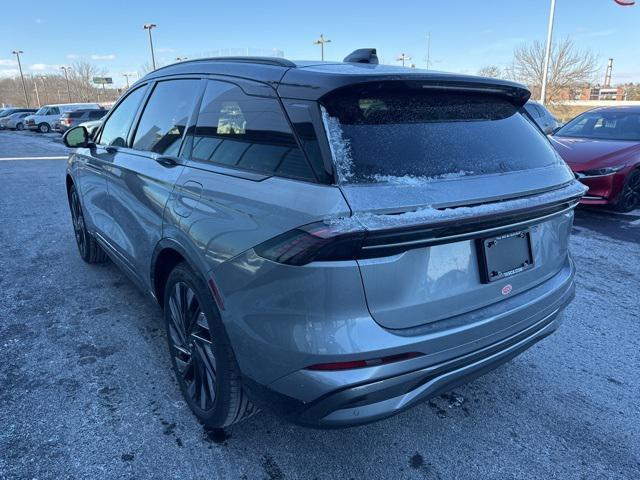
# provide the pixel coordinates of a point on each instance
(86, 389)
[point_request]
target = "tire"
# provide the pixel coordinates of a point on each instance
(629, 198)
(201, 355)
(19, 126)
(44, 128)
(88, 247)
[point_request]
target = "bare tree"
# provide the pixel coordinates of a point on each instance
(81, 80)
(492, 71)
(569, 67)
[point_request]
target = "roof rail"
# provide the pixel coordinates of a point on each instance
(275, 61)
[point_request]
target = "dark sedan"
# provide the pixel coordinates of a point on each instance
(602, 147)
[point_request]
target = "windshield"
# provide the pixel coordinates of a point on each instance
(604, 125)
(5, 112)
(42, 111)
(404, 135)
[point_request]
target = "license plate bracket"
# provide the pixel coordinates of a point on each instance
(505, 255)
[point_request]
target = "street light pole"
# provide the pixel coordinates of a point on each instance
(547, 53)
(66, 76)
(24, 85)
(321, 41)
(151, 26)
(402, 58)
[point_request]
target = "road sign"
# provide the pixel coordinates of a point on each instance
(103, 80)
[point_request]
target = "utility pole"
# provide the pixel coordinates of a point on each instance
(35, 87)
(321, 41)
(151, 26)
(428, 49)
(45, 95)
(66, 76)
(127, 75)
(607, 75)
(547, 52)
(402, 58)
(24, 85)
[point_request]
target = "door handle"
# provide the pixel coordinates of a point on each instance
(166, 161)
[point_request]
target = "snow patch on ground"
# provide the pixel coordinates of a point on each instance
(339, 145)
(374, 221)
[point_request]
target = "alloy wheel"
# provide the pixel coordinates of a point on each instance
(631, 192)
(78, 223)
(191, 346)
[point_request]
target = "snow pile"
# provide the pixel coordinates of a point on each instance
(339, 145)
(373, 221)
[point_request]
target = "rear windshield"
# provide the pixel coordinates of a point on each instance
(604, 125)
(402, 135)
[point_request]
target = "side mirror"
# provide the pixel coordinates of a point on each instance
(77, 137)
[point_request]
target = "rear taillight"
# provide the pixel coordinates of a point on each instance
(333, 366)
(315, 242)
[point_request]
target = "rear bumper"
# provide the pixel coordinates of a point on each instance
(346, 398)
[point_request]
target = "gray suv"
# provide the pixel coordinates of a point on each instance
(334, 241)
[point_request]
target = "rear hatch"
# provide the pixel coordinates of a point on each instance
(435, 174)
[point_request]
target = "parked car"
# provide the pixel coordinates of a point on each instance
(91, 127)
(15, 121)
(543, 117)
(5, 112)
(309, 256)
(47, 117)
(602, 146)
(70, 119)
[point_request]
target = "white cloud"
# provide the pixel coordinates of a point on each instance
(7, 62)
(39, 21)
(73, 56)
(103, 57)
(43, 67)
(9, 72)
(165, 50)
(583, 33)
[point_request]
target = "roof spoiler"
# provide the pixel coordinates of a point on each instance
(362, 55)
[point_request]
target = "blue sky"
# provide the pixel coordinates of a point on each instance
(465, 34)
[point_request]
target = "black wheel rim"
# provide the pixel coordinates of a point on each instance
(631, 192)
(191, 346)
(78, 223)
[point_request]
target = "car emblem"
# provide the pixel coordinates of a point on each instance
(506, 290)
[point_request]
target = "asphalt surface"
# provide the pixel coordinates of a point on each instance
(86, 389)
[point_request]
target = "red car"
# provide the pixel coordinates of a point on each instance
(602, 147)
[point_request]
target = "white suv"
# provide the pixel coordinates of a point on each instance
(47, 117)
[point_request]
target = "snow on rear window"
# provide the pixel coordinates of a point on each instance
(340, 147)
(407, 136)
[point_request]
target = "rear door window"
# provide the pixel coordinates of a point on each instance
(400, 133)
(252, 133)
(165, 116)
